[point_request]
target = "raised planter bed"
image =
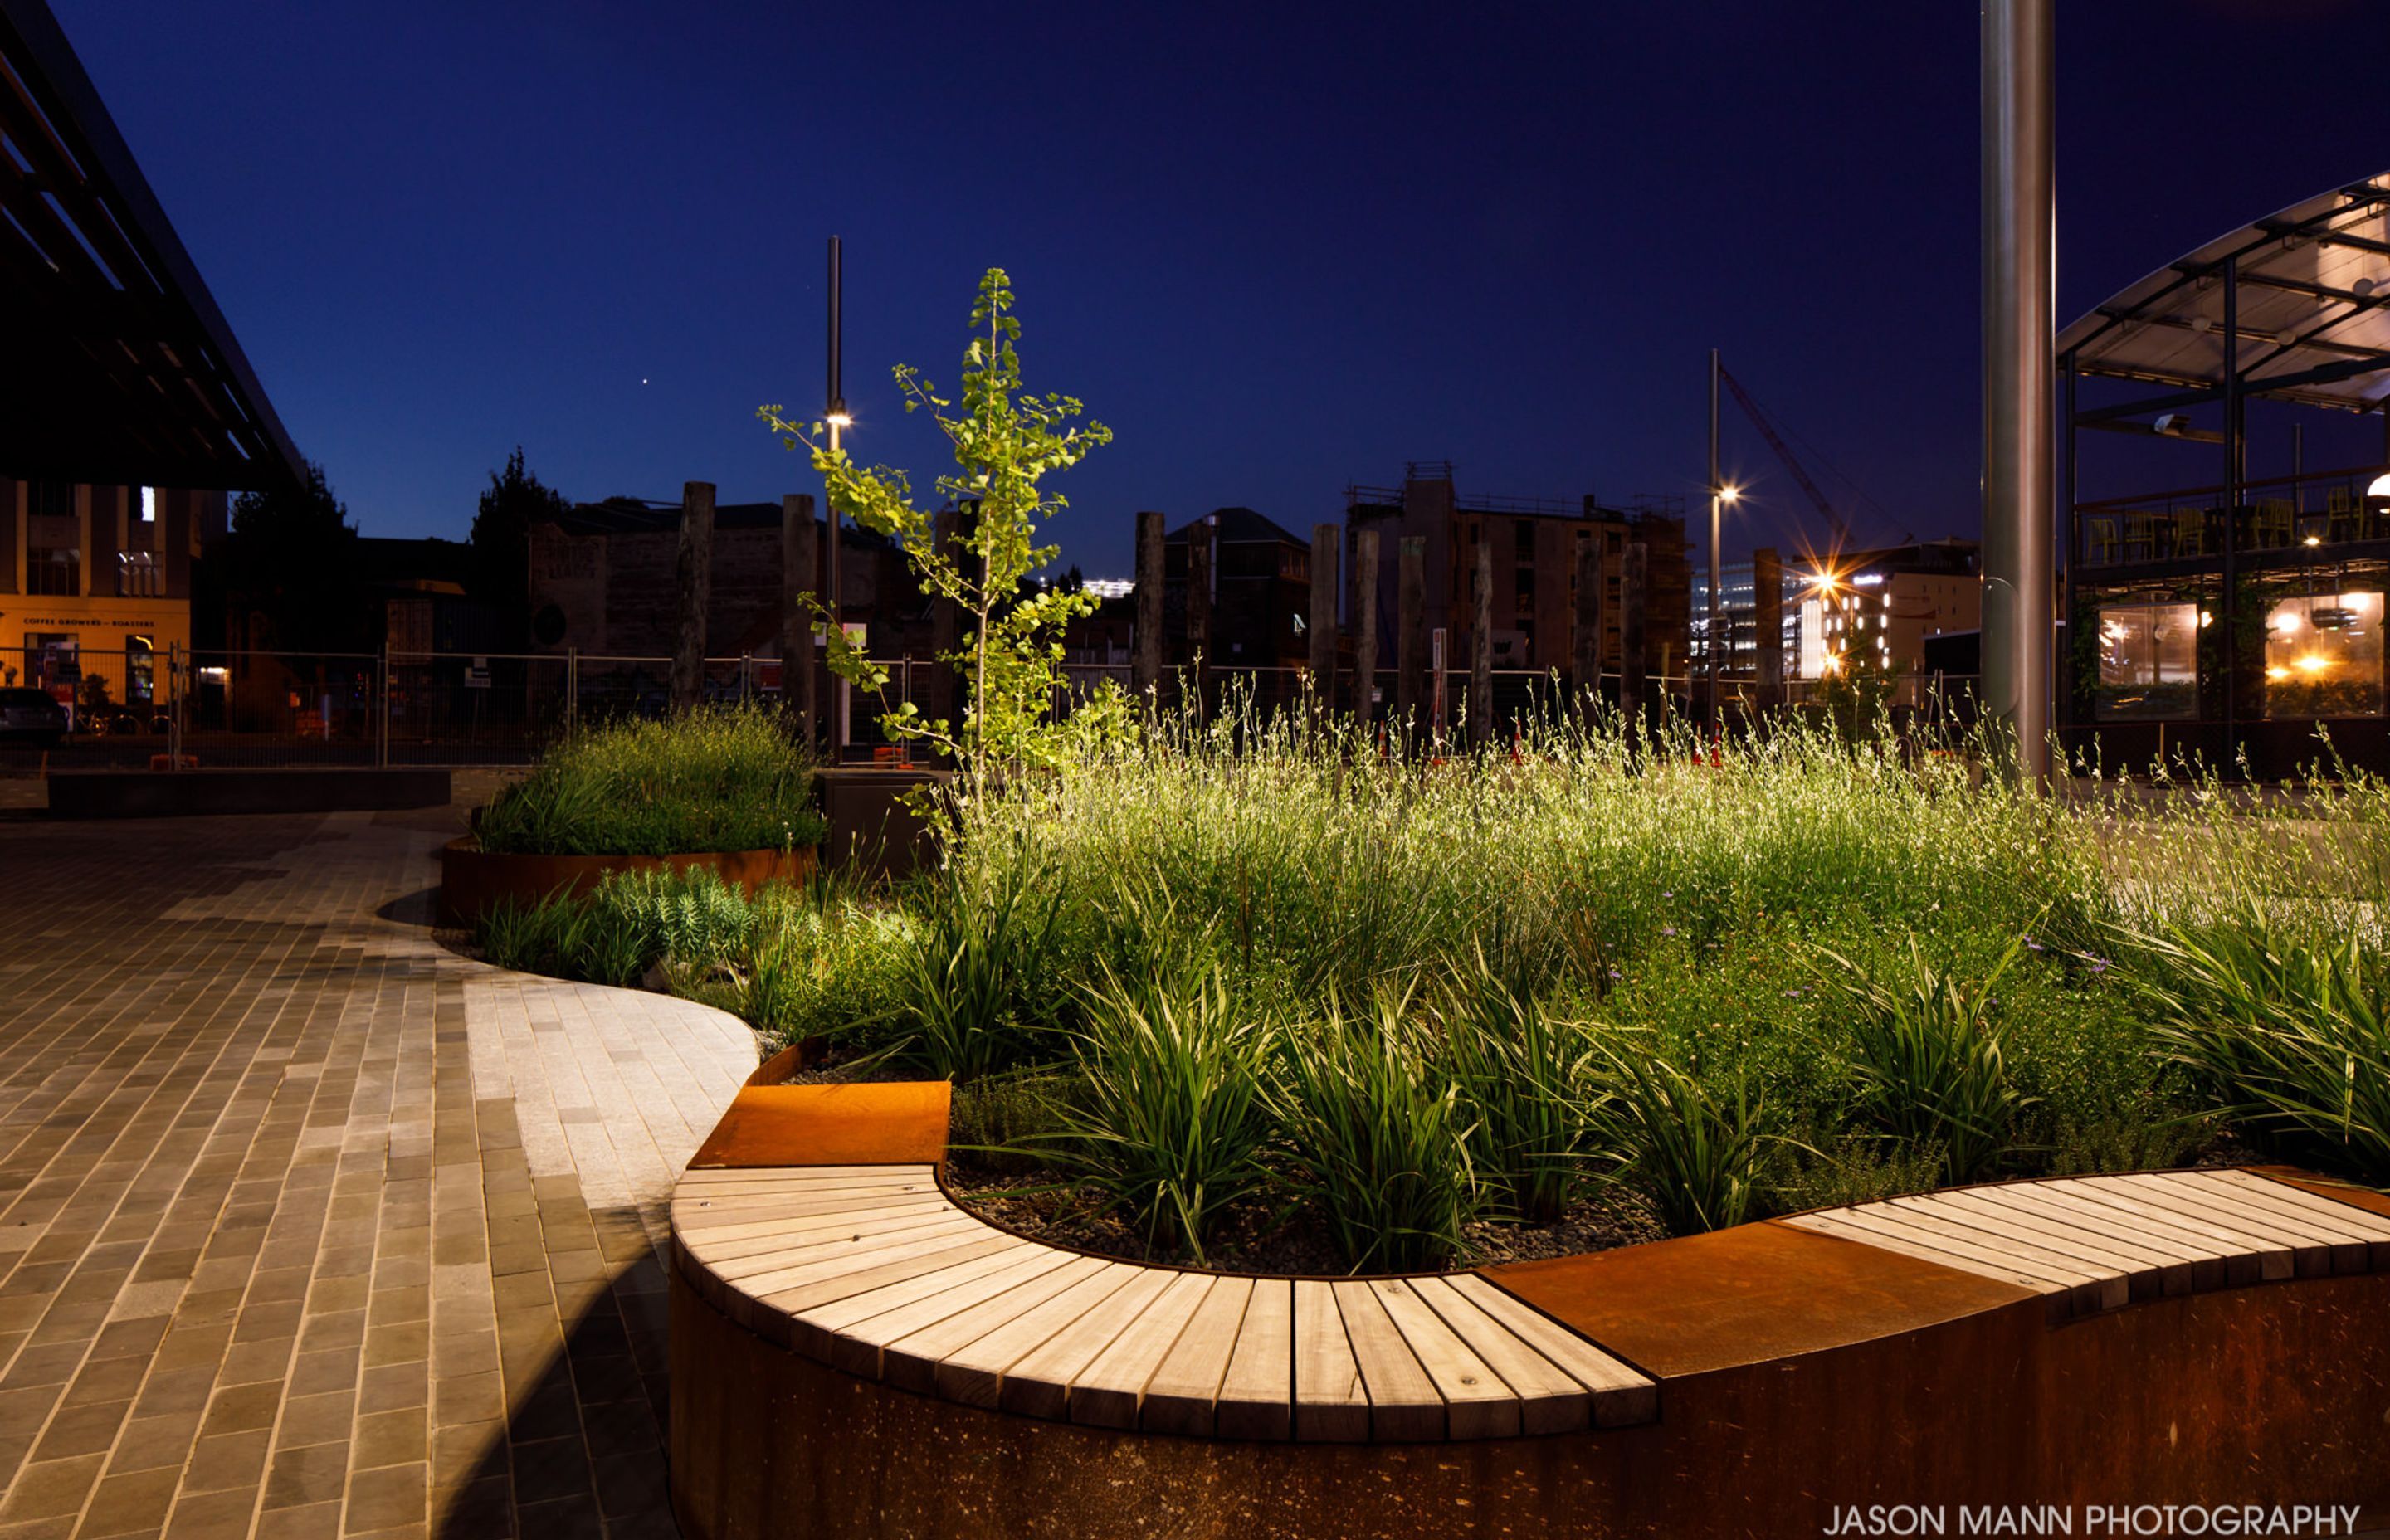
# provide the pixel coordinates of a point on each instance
(871, 826)
(854, 1355)
(473, 880)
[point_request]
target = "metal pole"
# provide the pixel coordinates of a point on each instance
(835, 412)
(381, 737)
(2019, 229)
(1713, 640)
(2228, 611)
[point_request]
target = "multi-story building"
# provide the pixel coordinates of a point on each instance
(1261, 589)
(1887, 602)
(1739, 616)
(1535, 542)
(96, 584)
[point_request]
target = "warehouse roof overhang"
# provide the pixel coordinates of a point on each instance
(119, 368)
(2309, 301)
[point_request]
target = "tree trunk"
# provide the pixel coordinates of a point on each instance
(1147, 677)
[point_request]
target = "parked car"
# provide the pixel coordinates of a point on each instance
(32, 716)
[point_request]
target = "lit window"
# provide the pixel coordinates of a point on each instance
(2323, 657)
(2149, 663)
(148, 505)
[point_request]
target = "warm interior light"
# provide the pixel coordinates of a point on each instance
(2381, 487)
(2315, 540)
(2313, 663)
(2277, 673)
(2205, 619)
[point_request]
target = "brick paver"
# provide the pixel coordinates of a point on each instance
(309, 1227)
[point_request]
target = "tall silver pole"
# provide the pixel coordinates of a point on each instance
(1717, 641)
(835, 412)
(2019, 231)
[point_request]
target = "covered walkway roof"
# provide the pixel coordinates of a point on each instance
(118, 366)
(2313, 313)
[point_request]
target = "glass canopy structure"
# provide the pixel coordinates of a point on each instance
(2234, 616)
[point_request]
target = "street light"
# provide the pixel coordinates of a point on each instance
(834, 412)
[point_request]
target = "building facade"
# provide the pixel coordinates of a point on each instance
(1260, 588)
(1888, 603)
(1534, 544)
(96, 586)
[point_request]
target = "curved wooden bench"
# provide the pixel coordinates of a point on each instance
(876, 1272)
(1853, 1340)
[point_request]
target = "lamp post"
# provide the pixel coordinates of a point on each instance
(1721, 496)
(835, 414)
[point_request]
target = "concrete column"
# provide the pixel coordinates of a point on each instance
(693, 580)
(1363, 581)
(1480, 648)
(800, 549)
(1146, 677)
(1633, 600)
(1199, 611)
(1584, 625)
(1768, 619)
(1410, 632)
(1323, 615)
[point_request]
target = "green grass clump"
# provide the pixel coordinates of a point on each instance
(1381, 1135)
(714, 778)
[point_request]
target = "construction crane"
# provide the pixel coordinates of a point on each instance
(1834, 522)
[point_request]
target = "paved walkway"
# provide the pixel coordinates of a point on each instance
(309, 1228)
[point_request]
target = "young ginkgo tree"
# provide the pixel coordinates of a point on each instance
(1005, 442)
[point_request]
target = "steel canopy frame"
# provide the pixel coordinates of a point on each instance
(2311, 280)
(121, 367)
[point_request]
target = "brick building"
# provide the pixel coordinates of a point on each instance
(1534, 542)
(1261, 584)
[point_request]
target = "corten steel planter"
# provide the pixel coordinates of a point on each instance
(472, 881)
(871, 826)
(1801, 1378)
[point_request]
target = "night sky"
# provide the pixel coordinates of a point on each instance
(1278, 248)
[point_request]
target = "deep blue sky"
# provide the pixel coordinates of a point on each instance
(1276, 248)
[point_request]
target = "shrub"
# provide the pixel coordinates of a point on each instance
(714, 778)
(1381, 1136)
(1521, 1071)
(972, 978)
(2289, 1030)
(1926, 1053)
(1172, 1124)
(1695, 1154)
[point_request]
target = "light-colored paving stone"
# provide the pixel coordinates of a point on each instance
(309, 1227)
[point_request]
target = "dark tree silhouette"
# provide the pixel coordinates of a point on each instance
(501, 537)
(292, 558)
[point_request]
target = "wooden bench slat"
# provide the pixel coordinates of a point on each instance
(1862, 1229)
(749, 1213)
(1477, 1402)
(777, 1314)
(856, 1344)
(2181, 1270)
(1257, 1393)
(731, 1244)
(2091, 1285)
(941, 1358)
(766, 1180)
(1184, 1394)
(2215, 1264)
(2344, 1218)
(1038, 1383)
(757, 1276)
(1623, 1395)
(2313, 1252)
(1110, 1392)
(2247, 1258)
(1549, 1400)
(1403, 1405)
(2004, 1226)
(1331, 1403)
